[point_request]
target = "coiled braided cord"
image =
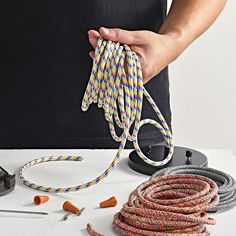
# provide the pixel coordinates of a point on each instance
(116, 85)
(169, 205)
(226, 183)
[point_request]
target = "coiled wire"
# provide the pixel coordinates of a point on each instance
(226, 183)
(116, 85)
(170, 205)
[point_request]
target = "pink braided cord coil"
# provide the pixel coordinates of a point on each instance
(172, 205)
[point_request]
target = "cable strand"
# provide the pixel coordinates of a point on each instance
(116, 85)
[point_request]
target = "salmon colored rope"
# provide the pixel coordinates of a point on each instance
(172, 205)
(169, 205)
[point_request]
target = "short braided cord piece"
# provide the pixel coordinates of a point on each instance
(226, 183)
(116, 85)
(172, 205)
(92, 232)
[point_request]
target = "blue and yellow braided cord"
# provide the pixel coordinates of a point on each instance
(116, 85)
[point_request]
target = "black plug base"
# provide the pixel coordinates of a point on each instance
(181, 156)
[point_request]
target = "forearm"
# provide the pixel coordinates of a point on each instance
(188, 19)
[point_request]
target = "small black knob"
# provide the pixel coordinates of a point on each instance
(189, 155)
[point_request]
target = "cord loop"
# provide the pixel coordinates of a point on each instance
(116, 85)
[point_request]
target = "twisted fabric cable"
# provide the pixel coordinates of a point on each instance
(92, 231)
(172, 205)
(226, 183)
(42, 160)
(116, 85)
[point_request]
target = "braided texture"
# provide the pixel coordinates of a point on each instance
(92, 231)
(42, 160)
(172, 205)
(226, 183)
(116, 85)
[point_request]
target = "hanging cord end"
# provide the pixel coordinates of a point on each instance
(92, 232)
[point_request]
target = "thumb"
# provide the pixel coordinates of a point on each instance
(120, 35)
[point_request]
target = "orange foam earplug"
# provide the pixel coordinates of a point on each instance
(68, 206)
(111, 202)
(40, 199)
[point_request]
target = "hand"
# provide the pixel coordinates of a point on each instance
(155, 51)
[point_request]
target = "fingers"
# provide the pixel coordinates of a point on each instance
(116, 35)
(93, 33)
(92, 54)
(139, 51)
(120, 35)
(93, 36)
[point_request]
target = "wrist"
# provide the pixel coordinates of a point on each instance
(171, 44)
(179, 36)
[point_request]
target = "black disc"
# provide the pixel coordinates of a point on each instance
(181, 156)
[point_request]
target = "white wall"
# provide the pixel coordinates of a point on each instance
(203, 87)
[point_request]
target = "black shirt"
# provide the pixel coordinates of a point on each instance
(45, 67)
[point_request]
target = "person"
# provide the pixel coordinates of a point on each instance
(45, 64)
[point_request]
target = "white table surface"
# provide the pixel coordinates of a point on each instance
(120, 184)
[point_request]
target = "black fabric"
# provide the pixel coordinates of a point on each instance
(45, 67)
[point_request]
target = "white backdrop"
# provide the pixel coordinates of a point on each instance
(203, 87)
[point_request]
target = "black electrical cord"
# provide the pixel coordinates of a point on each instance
(225, 182)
